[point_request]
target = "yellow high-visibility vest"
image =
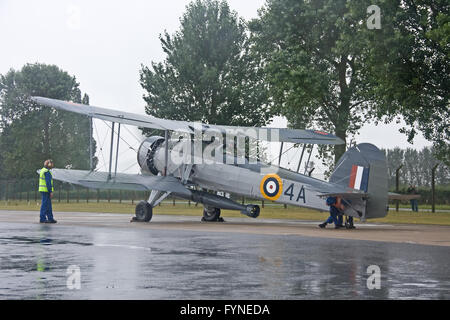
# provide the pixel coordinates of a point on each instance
(42, 184)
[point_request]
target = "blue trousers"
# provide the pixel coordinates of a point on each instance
(46, 207)
(335, 216)
(414, 206)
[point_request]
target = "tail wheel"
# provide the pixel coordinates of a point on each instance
(144, 212)
(211, 214)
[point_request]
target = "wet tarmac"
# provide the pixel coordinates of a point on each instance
(137, 263)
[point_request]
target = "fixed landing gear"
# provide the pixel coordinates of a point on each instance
(143, 211)
(349, 223)
(211, 214)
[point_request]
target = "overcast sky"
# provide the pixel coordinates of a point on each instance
(104, 43)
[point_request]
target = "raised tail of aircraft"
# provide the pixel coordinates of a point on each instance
(363, 167)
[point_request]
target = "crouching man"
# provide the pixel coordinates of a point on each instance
(336, 206)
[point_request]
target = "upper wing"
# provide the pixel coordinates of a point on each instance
(146, 121)
(99, 180)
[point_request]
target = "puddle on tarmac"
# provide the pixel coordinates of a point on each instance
(163, 264)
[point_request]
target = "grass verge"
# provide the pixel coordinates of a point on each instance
(269, 212)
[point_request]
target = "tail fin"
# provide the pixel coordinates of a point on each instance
(364, 167)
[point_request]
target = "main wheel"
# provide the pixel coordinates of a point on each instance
(144, 212)
(211, 214)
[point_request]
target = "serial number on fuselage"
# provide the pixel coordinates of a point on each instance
(295, 191)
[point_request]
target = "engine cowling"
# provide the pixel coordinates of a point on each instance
(146, 154)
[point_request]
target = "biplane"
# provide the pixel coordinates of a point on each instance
(205, 172)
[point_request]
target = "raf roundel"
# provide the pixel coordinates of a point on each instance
(271, 187)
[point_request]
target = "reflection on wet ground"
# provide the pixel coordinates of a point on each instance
(167, 264)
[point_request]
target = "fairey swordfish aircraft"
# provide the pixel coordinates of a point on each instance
(173, 165)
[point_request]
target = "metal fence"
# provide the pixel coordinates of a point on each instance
(27, 190)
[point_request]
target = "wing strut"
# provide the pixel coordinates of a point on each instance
(111, 150)
(166, 151)
(91, 149)
(301, 158)
(309, 158)
(281, 153)
(117, 150)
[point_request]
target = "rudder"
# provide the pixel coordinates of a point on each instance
(364, 167)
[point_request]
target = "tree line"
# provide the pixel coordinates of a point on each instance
(315, 62)
(416, 166)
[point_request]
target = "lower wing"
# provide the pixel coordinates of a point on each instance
(123, 181)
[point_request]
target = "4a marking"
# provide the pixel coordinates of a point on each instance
(290, 192)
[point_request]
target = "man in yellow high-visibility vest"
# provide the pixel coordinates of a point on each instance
(46, 190)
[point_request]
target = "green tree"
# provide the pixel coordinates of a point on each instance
(31, 133)
(326, 68)
(209, 74)
(408, 67)
(313, 65)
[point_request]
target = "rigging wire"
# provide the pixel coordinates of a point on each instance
(132, 165)
(292, 157)
(282, 154)
(138, 140)
(122, 138)
(101, 146)
(123, 152)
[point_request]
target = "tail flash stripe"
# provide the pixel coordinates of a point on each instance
(359, 178)
(359, 175)
(351, 183)
(365, 180)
